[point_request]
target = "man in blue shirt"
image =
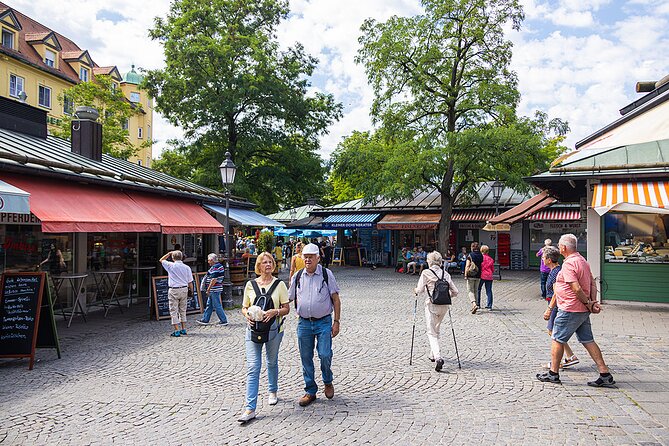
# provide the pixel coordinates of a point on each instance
(316, 300)
(212, 286)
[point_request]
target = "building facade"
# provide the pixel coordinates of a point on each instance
(37, 65)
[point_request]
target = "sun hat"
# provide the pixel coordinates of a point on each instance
(311, 249)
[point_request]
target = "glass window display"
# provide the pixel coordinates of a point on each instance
(636, 238)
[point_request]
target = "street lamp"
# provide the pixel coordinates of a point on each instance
(497, 188)
(228, 171)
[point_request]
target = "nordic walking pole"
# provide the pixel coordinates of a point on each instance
(454, 342)
(413, 330)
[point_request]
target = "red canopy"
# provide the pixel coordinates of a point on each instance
(178, 216)
(75, 207)
(524, 209)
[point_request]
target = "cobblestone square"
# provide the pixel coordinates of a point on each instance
(123, 380)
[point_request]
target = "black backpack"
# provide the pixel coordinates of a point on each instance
(260, 331)
(298, 274)
(441, 295)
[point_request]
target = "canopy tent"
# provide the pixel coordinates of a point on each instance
(244, 217)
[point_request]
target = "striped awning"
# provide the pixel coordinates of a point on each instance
(409, 221)
(472, 215)
(556, 214)
(350, 221)
(646, 197)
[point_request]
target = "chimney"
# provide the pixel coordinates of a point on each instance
(22, 118)
(87, 133)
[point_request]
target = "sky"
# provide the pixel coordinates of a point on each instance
(577, 60)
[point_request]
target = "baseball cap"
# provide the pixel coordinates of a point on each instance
(311, 249)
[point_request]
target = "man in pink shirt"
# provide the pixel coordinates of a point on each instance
(576, 293)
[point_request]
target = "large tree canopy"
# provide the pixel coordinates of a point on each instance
(445, 101)
(231, 88)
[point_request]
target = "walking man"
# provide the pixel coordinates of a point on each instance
(576, 293)
(212, 286)
(179, 281)
(317, 295)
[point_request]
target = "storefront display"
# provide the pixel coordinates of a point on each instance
(636, 238)
(540, 231)
(25, 248)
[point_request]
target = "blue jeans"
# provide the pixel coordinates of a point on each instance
(214, 303)
(488, 292)
(254, 364)
(318, 334)
(544, 278)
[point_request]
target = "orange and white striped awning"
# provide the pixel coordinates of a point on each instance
(647, 196)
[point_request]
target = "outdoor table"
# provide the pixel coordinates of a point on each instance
(76, 282)
(110, 279)
(139, 270)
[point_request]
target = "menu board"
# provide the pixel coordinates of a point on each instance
(161, 304)
(21, 329)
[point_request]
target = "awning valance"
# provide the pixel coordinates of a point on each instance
(524, 209)
(556, 214)
(245, 217)
(13, 200)
(472, 215)
(178, 216)
(645, 197)
(72, 207)
(350, 221)
(409, 221)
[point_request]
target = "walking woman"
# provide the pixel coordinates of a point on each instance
(434, 314)
(487, 272)
(473, 274)
(297, 262)
(264, 267)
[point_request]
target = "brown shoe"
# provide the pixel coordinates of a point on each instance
(307, 399)
(329, 391)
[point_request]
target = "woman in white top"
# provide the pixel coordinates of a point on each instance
(434, 314)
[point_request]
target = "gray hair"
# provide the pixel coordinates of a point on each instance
(434, 258)
(569, 241)
(213, 257)
(177, 255)
(552, 253)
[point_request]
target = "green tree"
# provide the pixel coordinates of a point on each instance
(114, 109)
(231, 88)
(445, 100)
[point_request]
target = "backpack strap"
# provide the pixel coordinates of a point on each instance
(256, 289)
(298, 275)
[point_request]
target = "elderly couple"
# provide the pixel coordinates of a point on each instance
(316, 297)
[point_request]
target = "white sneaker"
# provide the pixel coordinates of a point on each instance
(273, 399)
(246, 416)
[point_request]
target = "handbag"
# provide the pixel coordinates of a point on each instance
(472, 269)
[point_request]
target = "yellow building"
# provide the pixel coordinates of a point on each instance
(37, 65)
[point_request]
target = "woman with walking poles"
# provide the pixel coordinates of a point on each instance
(431, 282)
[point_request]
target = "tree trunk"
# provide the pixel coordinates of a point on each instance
(445, 221)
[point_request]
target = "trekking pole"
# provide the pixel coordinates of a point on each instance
(454, 342)
(413, 330)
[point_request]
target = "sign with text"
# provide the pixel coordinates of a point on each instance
(161, 302)
(9, 218)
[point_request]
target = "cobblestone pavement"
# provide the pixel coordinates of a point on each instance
(124, 380)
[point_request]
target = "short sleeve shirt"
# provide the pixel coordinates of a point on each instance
(314, 296)
(279, 296)
(178, 273)
(574, 269)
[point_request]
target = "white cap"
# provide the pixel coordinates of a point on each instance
(311, 249)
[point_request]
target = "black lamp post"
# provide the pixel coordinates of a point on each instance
(497, 188)
(228, 171)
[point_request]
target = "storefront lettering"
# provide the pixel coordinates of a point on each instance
(19, 219)
(11, 244)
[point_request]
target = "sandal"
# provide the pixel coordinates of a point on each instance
(568, 362)
(176, 334)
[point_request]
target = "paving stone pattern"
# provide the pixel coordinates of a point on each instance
(123, 380)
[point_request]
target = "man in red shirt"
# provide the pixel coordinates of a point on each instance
(576, 293)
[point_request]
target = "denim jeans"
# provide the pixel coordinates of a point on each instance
(488, 292)
(254, 364)
(544, 278)
(214, 303)
(317, 334)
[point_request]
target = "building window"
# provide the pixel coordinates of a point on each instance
(50, 58)
(139, 132)
(113, 86)
(7, 39)
(68, 105)
(139, 162)
(125, 124)
(134, 97)
(83, 74)
(44, 96)
(15, 85)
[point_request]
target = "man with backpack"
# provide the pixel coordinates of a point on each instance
(316, 295)
(437, 287)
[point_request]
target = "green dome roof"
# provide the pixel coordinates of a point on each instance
(132, 77)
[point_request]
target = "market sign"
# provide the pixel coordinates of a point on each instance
(348, 225)
(556, 227)
(18, 219)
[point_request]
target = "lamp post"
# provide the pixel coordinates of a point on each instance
(497, 188)
(228, 171)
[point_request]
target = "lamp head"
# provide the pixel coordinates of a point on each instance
(228, 170)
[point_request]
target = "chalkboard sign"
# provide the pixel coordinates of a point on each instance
(21, 328)
(337, 256)
(161, 303)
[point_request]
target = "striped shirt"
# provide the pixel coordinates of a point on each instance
(217, 271)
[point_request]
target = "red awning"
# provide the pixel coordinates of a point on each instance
(556, 214)
(73, 207)
(472, 215)
(524, 209)
(178, 216)
(409, 221)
